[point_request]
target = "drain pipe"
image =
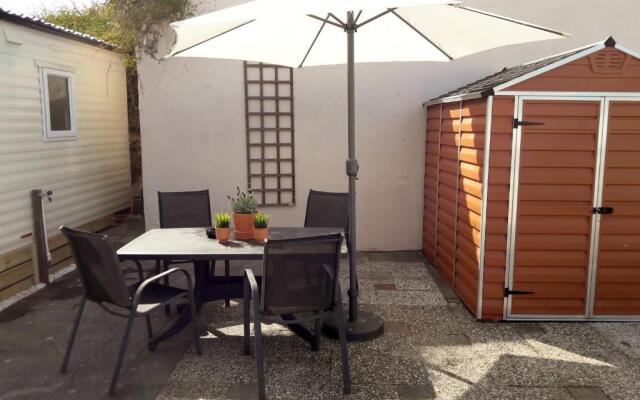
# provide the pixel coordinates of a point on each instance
(41, 253)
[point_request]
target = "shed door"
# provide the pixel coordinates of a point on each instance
(550, 248)
(617, 288)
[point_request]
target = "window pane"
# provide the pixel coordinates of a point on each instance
(59, 107)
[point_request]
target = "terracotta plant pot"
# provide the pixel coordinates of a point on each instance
(243, 224)
(260, 234)
(223, 234)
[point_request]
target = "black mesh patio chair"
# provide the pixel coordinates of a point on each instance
(327, 210)
(104, 284)
(299, 276)
(183, 210)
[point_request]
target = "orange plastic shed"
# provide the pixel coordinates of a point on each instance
(532, 188)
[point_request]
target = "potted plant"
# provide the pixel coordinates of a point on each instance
(223, 231)
(244, 206)
(261, 227)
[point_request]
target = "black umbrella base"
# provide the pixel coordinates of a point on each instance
(368, 326)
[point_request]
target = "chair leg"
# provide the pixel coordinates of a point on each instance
(165, 265)
(121, 353)
(342, 333)
(259, 353)
(147, 319)
(151, 346)
(246, 304)
(227, 272)
(317, 333)
(194, 321)
(74, 331)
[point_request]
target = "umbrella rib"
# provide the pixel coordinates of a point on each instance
(375, 17)
(332, 15)
(211, 38)
(515, 21)
(423, 36)
(324, 22)
(355, 21)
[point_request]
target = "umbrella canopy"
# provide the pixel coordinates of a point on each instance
(299, 33)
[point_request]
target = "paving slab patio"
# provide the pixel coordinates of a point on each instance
(433, 349)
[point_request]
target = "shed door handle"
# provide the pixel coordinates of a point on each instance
(603, 210)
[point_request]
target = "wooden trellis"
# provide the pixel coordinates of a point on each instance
(270, 133)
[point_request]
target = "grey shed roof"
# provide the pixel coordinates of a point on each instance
(484, 86)
(45, 26)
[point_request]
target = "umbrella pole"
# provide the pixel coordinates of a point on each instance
(361, 325)
(352, 172)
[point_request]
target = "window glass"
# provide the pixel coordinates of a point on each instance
(59, 102)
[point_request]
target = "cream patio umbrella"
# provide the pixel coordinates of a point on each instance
(304, 33)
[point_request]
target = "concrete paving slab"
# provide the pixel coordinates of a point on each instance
(416, 392)
(587, 393)
(414, 284)
(410, 298)
(624, 335)
(384, 286)
(397, 328)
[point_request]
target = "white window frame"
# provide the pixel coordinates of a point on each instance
(49, 134)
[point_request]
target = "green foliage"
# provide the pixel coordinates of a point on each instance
(128, 24)
(243, 202)
(222, 220)
(145, 19)
(261, 220)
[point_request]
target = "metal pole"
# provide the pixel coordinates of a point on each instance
(352, 168)
(361, 325)
(40, 242)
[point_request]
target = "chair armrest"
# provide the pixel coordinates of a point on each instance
(250, 279)
(337, 300)
(146, 282)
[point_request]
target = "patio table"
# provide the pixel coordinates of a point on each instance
(192, 244)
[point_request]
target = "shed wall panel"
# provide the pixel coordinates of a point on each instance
(448, 172)
(547, 184)
(457, 131)
(469, 199)
(429, 226)
(497, 208)
(617, 290)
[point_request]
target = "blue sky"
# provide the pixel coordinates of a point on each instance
(31, 7)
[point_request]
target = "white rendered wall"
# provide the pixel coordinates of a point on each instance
(193, 136)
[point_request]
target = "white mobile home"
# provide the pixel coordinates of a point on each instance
(63, 129)
(199, 128)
